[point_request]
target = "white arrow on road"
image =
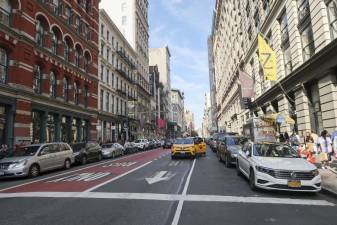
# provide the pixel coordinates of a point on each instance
(159, 176)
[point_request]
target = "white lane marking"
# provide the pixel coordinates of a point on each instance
(160, 176)
(68, 172)
(169, 197)
(181, 202)
(174, 163)
(115, 178)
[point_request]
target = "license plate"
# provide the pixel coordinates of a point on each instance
(183, 153)
(294, 183)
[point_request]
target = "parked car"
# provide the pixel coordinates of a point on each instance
(228, 149)
(272, 165)
(130, 147)
(168, 143)
(34, 159)
(142, 144)
(84, 152)
(112, 150)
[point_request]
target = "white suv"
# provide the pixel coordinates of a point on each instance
(142, 144)
(272, 165)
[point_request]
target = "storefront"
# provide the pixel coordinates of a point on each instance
(52, 127)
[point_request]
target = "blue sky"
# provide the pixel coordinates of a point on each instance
(184, 26)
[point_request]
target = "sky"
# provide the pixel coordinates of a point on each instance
(184, 26)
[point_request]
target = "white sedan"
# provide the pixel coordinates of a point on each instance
(276, 166)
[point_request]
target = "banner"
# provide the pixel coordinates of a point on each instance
(267, 57)
(247, 85)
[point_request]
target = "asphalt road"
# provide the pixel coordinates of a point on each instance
(149, 188)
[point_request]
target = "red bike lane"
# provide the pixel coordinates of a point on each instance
(87, 178)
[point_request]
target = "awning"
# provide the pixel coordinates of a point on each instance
(278, 118)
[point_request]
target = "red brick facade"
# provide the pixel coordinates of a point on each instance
(37, 62)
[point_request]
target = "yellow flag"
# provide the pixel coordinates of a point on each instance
(267, 57)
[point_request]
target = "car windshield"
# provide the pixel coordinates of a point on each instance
(106, 146)
(233, 140)
(183, 141)
(26, 151)
(274, 150)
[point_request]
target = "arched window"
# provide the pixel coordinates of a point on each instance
(53, 85)
(66, 51)
(5, 10)
(76, 93)
(39, 33)
(87, 61)
(37, 80)
(54, 41)
(3, 66)
(65, 89)
(77, 57)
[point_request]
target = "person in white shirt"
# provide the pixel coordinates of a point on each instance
(325, 148)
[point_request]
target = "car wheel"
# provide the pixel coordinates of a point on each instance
(238, 171)
(67, 164)
(84, 160)
(227, 162)
(34, 171)
(99, 157)
(252, 180)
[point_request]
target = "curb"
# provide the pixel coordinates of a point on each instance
(329, 192)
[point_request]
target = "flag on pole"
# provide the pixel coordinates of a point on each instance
(247, 85)
(267, 57)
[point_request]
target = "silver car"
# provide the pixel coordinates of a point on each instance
(112, 150)
(31, 160)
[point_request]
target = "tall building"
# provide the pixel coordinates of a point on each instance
(157, 124)
(189, 118)
(161, 58)
(117, 84)
(212, 87)
(48, 71)
(303, 35)
(178, 111)
(131, 17)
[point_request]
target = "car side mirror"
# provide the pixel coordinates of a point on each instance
(247, 153)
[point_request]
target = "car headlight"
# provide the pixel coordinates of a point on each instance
(264, 169)
(315, 172)
(18, 164)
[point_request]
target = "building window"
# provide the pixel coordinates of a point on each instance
(102, 49)
(53, 85)
(107, 54)
(77, 57)
(332, 12)
(123, 6)
(112, 104)
(68, 14)
(102, 30)
(55, 6)
(107, 35)
(37, 80)
(66, 51)
(284, 29)
(3, 66)
(117, 106)
(107, 76)
(78, 24)
(76, 93)
(101, 99)
(5, 10)
(303, 9)
(307, 42)
(288, 67)
(54, 42)
(107, 102)
(65, 89)
(87, 32)
(39, 33)
(86, 96)
(102, 73)
(124, 18)
(87, 62)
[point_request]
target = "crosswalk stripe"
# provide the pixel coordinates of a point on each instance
(168, 197)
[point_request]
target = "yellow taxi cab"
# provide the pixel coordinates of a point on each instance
(183, 147)
(200, 146)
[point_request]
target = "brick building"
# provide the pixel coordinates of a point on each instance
(48, 70)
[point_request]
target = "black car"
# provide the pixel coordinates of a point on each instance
(84, 152)
(168, 143)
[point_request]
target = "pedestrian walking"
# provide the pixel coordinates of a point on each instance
(315, 137)
(325, 148)
(294, 140)
(286, 138)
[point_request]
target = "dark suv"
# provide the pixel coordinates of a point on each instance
(84, 152)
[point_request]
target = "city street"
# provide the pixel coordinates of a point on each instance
(148, 188)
